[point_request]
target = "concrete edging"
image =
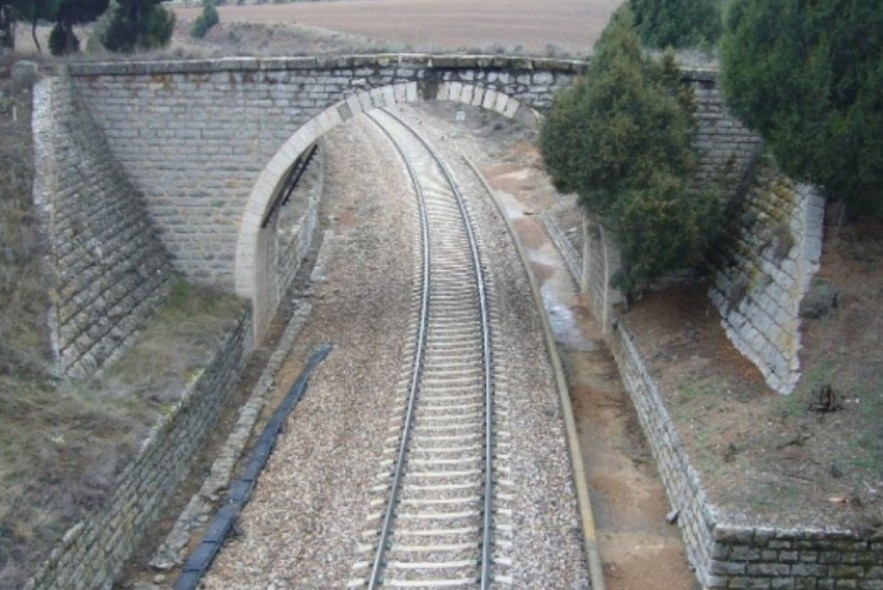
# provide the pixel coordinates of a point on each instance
(590, 539)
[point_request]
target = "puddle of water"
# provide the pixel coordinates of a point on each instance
(558, 294)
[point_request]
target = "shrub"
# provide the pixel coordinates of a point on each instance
(59, 42)
(621, 139)
(206, 20)
(139, 24)
(677, 23)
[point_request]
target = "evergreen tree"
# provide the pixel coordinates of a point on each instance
(809, 77)
(70, 13)
(206, 20)
(139, 24)
(677, 23)
(32, 11)
(621, 139)
(38, 10)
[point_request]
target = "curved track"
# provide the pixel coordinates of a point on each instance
(435, 524)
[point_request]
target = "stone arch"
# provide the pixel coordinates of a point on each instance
(252, 265)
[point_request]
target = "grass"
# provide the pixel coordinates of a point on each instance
(695, 390)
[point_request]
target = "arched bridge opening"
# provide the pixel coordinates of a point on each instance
(257, 276)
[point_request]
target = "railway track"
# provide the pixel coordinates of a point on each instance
(440, 518)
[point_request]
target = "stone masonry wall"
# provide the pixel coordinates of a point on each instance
(107, 267)
(601, 261)
(296, 225)
(696, 516)
(93, 552)
(728, 555)
(765, 268)
(727, 149)
(195, 135)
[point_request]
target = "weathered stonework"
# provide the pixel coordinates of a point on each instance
(107, 267)
(765, 269)
(93, 552)
(730, 555)
(296, 224)
(726, 148)
(209, 142)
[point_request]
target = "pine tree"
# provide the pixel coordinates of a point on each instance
(677, 23)
(621, 139)
(809, 77)
(63, 40)
(139, 24)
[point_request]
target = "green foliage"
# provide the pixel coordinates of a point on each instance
(70, 13)
(59, 44)
(621, 139)
(206, 20)
(139, 24)
(199, 28)
(210, 13)
(677, 23)
(809, 78)
(664, 226)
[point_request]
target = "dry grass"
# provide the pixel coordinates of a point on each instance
(61, 448)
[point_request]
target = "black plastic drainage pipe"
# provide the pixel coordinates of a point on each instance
(201, 558)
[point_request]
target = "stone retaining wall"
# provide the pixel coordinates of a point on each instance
(93, 552)
(729, 555)
(296, 225)
(107, 267)
(765, 269)
(726, 148)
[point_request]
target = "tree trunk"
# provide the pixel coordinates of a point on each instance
(34, 36)
(7, 28)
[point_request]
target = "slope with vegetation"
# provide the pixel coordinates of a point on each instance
(62, 445)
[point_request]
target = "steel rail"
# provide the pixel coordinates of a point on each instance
(419, 353)
(487, 355)
(487, 360)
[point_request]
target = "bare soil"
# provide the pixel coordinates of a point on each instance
(519, 26)
(768, 458)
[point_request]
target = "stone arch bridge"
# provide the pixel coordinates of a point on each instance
(210, 142)
(208, 146)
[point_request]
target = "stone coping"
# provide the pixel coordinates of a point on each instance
(323, 62)
(346, 61)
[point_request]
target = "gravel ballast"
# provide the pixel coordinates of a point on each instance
(301, 527)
